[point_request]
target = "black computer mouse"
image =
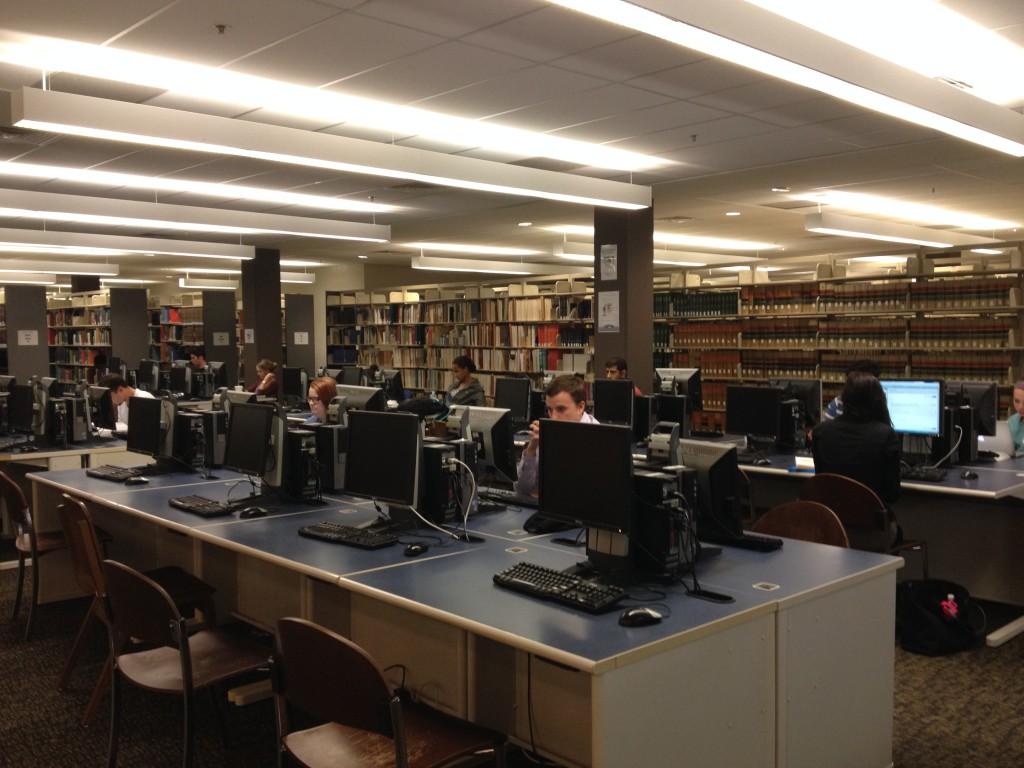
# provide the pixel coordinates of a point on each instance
(762, 462)
(413, 550)
(137, 480)
(969, 474)
(250, 512)
(639, 617)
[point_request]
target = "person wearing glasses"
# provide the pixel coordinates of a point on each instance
(321, 392)
(566, 400)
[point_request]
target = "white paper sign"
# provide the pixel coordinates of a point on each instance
(608, 312)
(610, 261)
(221, 338)
(301, 338)
(250, 335)
(28, 338)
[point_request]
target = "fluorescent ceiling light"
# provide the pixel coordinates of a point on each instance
(571, 229)
(84, 244)
(987, 251)
(207, 284)
(301, 263)
(205, 270)
(192, 187)
(301, 278)
(886, 231)
(672, 238)
(695, 38)
(899, 209)
(326, 106)
(126, 280)
(480, 250)
(433, 263)
(733, 213)
(77, 209)
(176, 129)
(59, 267)
(738, 268)
(920, 35)
(27, 278)
(884, 260)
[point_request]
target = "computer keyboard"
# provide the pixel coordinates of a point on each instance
(112, 473)
(507, 496)
(924, 474)
(704, 434)
(200, 505)
(753, 542)
(364, 538)
(549, 584)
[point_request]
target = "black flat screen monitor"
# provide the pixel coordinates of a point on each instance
(915, 407)
(753, 411)
(807, 392)
(718, 515)
(363, 398)
(491, 429)
(392, 383)
(983, 397)
(384, 456)
(293, 384)
(513, 394)
(147, 376)
(682, 381)
(144, 433)
(248, 442)
(181, 379)
(613, 401)
(672, 408)
(220, 373)
(586, 474)
(102, 406)
(334, 373)
(20, 406)
(352, 375)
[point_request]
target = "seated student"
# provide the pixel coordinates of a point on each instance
(197, 358)
(616, 368)
(321, 392)
(861, 443)
(566, 400)
(835, 406)
(467, 390)
(1016, 420)
(266, 379)
(120, 391)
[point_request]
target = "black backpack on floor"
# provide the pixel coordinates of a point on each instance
(936, 618)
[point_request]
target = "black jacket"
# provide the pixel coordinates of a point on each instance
(866, 451)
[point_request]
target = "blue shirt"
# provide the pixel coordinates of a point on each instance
(1016, 432)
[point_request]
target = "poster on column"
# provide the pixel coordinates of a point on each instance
(608, 312)
(610, 261)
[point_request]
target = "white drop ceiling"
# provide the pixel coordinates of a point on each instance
(730, 134)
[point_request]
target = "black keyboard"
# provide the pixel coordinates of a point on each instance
(508, 496)
(112, 473)
(364, 538)
(924, 474)
(749, 541)
(549, 584)
(200, 505)
(706, 433)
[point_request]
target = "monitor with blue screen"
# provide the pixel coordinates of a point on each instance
(915, 406)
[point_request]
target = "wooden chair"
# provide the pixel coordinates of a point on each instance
(869, 524)
(804, 520)
(172, 662)
(332, 679)
(28, 543)
(187, 591)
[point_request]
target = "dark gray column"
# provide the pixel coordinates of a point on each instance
(625, 239)
(27, 339)
(261, 309)
(219, 335)
(129, 324)
(298, 325)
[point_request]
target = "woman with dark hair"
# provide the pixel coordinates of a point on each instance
(467, 390)
(266, 378)
(861, 443)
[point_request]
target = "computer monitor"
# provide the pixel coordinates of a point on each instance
(101, 407)
(586, 474)
(915, 406)
(983, 397)
(248, 441)
(21, 402)
(681, 381)
(363, 398)
(352, 375)
(6, 382)
(513, 394)
(753, 411)
(672, 408)
(807, 392)
(718, 514)
(144, 433)
(181, 379)
(294, 384)
(613, 401)
(219, 371)
(491, 429)
(392, 384)
(334, 373)
(383, 460)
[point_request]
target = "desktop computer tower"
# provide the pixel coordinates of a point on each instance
(331, 450)
(438, 499)
(791, 429)
(301, 471)
(644, 416)
(967, 453)
(4, 423)
(660, 537)
(200, 438)
(79, 419)
(58, 421)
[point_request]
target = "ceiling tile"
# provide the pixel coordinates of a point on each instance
(750, 151)
(701, 134)
(447, 18)
(629, 58)
(755, 96)
(705, 76)
(583, 107)
(92, 22)
(638, 122)
(814, 110)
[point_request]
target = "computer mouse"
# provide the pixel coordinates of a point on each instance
(138, 480)
(250, 512)
(413, 550)
(762, 462)
(969, 474)
(639, 617)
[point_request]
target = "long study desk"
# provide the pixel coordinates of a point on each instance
(798, 671)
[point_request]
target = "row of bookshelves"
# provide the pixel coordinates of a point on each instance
(521, 309)
(492, 360)
(79, 316)
(95, 337)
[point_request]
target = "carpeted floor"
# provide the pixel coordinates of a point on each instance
(951, 712)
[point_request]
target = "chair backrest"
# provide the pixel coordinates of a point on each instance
(17, 506)
(141, 609)
(862, 513)
(331, 678)
(804, 520)
(743, 494)
(84, 545)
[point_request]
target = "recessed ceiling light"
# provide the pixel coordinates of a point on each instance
(780, 189)
(902, 209)
(206, 270)
(483, 250)
(525, 224)
(732, 213)
(987, 251)
(362, 256)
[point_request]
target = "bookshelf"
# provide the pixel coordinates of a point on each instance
(175, 327)
(79, 336)
(523, 328)
(956, 326)
(3, 332)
